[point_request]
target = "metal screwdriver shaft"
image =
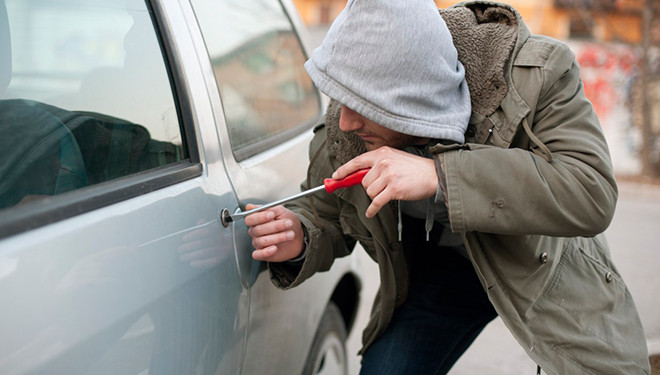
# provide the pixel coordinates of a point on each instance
(329, 185)
(241, 215)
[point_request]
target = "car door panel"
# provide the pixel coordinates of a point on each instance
(144, 279)
(97, 292)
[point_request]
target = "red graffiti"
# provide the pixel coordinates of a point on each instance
(602, 96)
(606, 73)
(602, 57)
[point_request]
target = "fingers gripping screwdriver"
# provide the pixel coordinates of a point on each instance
(329, 185)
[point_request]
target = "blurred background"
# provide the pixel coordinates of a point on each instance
(617, 44)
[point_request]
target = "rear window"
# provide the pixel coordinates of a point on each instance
(258, 62)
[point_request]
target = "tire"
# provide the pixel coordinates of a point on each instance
(327, 355)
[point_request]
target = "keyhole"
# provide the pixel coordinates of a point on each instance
(224, 217)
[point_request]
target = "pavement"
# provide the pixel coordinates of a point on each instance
(634, 238)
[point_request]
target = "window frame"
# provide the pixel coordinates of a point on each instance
(46, 211)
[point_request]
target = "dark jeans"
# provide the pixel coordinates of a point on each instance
(445, 311)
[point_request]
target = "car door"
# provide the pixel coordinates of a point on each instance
(112, 257)
(265, 102)
(266, 107)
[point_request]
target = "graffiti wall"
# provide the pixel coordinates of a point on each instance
(610, 73)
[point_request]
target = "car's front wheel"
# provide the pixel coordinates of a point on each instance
(327, 355)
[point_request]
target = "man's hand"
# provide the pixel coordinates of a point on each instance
(394, 174)
(277, 234)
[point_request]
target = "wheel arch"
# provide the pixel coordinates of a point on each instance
(347, 297)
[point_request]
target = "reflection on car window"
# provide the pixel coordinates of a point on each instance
(258, 66)
(84, 96)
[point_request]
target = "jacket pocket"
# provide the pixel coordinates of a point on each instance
(592, 294)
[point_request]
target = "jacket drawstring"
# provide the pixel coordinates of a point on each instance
(544, 150)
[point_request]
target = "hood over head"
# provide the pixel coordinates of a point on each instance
(394, 62)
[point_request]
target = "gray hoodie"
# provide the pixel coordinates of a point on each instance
(405, 78)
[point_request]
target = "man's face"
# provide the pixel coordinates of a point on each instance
(374, 135)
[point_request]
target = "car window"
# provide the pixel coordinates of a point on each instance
(258, 64)
(85, 96)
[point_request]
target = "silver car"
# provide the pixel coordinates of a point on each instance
(128, 128)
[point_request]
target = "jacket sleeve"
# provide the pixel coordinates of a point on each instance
(320, 217)
(516, 191)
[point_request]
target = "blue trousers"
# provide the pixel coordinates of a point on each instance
(445, 310)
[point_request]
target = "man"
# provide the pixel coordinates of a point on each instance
(473, 208)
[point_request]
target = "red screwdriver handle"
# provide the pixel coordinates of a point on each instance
(352, 179)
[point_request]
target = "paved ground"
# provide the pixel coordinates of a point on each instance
(634, 237)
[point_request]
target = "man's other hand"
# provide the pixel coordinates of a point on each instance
(277, 234)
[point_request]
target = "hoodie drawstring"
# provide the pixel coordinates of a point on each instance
(430, 218)
(399, 225)
(428, 225)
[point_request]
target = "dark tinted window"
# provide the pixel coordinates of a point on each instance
(85, 96)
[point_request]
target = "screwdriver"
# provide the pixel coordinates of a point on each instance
(329, 185)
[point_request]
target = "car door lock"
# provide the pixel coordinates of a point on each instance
(224, 217)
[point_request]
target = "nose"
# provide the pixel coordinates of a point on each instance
(349, 120)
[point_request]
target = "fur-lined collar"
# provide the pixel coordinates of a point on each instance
(484, 35)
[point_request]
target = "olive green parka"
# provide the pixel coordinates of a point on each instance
(531, 190)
